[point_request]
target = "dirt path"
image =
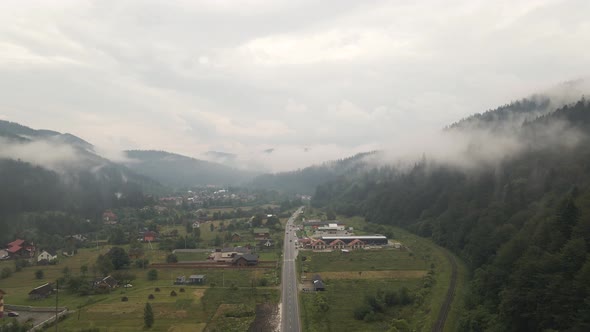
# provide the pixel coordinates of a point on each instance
(444, 310)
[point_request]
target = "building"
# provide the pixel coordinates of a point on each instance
(331, 228)
(245, 260)
(318, 245)
(261, 234)
(41, 292)
(180, 280)
(236, 237)
(318, 283)
(20, 248)
(108, 217)
(106, 282)
(356, 244)
(150, 236)
(266, 244)
(197, 279)
(337, 244)
(46, 256)
(368, 240)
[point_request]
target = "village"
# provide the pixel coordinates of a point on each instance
(189, 259)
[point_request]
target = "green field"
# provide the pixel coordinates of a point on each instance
(350, 277)
(191, 310)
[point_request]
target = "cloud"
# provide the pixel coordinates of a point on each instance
(49, 155)
(239, 76)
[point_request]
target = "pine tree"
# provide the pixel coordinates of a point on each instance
(148, 316)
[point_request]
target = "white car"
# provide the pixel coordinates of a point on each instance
(128, 286)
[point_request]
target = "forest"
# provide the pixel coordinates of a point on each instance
(522, 223)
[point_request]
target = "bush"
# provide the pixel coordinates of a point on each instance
(6, 272)
(263, 282)
(156, 289)
(152, 274)
(171, 258)
(141, 263)
(182, 290)
(151, 297)
(362, 311)
(124, 299)
(172, 293)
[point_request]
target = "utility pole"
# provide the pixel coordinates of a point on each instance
(56, 302)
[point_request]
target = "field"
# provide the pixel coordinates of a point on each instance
(351, 277)
(191, 310)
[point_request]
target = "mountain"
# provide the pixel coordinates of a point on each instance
(304, 181)
(522, 223)
(179, 171)
(46, 170)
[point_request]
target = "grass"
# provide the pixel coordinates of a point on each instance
(363, 260)
(344, 296)
(184, 312)
(380, 269)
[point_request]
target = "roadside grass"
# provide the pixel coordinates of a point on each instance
(363, 260)
(390, 274)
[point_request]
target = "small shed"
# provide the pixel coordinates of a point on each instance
(41, 292)
(197, 279)
(180, 280)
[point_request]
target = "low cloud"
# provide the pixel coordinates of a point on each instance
(49, 155)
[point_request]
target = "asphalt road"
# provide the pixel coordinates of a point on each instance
(289, 295)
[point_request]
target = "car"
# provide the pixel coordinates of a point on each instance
(128, 286)
(12, 314)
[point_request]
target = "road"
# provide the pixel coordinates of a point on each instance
(289, 295)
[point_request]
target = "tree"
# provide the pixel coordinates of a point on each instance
(171, 258)
(104, 264)
(118, 257)
(84, 269)
(39, 274)
(152, 274)
(148, 316)
(331, 215)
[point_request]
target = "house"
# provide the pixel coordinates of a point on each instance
(235, 237)
(337, 244)
(245, 260)
(197, 279)
(318, 283)
(356, 244)
(20, 248)
(149, 236)
(2, 293)
(106, 282)
(318, 245)
(261, 234)
(46, 256)
(4, 254)
(108, 217)
(266, 244)
(180, 280)
(41, 292)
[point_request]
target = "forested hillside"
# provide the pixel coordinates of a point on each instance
(521, 223)
(304, 181)
(184, 172)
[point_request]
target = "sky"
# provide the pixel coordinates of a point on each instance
(279, 84)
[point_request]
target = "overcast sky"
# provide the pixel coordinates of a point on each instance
(313, 80)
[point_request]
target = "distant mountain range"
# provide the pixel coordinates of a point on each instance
(179, 171)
